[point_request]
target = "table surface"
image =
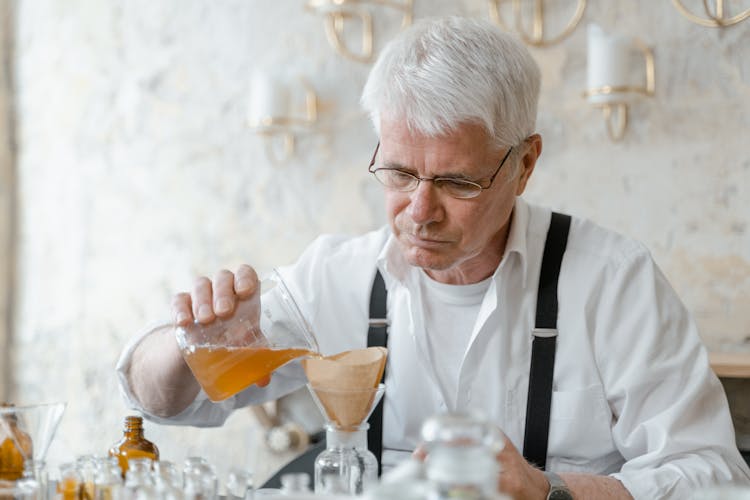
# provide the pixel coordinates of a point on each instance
(731, 364)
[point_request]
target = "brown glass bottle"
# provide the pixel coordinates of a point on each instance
(133, 444)
(15, 446)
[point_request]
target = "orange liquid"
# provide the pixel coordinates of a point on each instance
(225, 371)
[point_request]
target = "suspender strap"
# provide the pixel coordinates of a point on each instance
(377, 336)
(543, 346)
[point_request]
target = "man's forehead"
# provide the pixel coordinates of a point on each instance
(465, 144)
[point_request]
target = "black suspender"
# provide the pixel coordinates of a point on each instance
(543, 346)
(542, 354)
(377, 336)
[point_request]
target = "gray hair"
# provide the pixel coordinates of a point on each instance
(441, 73)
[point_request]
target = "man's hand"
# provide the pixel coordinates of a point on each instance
(217, 298)
(519, 479)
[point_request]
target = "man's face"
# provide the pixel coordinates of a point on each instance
(454, 240)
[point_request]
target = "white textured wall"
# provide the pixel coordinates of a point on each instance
(137, 173)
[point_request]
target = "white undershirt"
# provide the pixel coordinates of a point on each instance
(450, 312)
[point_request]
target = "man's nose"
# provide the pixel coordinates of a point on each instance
(424, 204)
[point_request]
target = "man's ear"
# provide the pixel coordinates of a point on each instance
(532, 148)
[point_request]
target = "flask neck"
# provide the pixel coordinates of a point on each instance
(133, 428)
(351, 438)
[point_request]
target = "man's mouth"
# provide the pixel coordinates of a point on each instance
(424, 241)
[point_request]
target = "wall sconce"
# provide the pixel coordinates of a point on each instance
(611, 84)
(717, 20)
(536, 37)
(275, 114)
(336, 12)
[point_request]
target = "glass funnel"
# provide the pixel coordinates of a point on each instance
(265, 332)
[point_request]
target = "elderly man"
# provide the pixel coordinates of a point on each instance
(635, 409)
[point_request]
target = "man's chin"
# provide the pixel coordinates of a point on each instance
(429, 261)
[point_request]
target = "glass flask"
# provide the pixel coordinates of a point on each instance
(133, 444)
(264, 332)
(346, 466)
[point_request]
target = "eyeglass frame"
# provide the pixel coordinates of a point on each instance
(433, 179)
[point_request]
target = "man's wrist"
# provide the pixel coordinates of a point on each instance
(558, 490)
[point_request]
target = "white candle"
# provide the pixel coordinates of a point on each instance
(269, 99)
(609, 63)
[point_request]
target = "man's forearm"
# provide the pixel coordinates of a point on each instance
(159, 377)
(584, 486)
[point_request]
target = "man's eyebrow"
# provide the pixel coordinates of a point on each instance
(409, 170)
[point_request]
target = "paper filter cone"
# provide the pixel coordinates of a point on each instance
(346, 384)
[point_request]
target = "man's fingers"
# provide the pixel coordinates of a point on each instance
(182, 309)
(202, 300)
(264, 381)
(246, 281)
(223, 288)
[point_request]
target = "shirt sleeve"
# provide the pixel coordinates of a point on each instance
(203, 412)
(671, 419)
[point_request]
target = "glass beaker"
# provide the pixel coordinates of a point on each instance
(264, 332)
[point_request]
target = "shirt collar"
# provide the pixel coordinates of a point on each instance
(391, 261)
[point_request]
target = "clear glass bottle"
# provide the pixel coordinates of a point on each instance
(69, 485)
(200, 481)
(346, 466)
(461, 461)
(240, 485)
(138, 481)
(15, 447)
(86, 466)
(133, 444)
(295, 482)
(167, 481)
(108, 484)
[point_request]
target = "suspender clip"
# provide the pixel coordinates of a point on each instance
(378, 322)
(544, 332)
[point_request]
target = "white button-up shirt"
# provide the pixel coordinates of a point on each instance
(633, 392)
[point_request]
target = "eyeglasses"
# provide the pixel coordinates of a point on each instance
(399, 180)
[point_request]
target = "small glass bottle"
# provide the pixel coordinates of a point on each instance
(240, 485)
(15, 447)
(199, 480)
(133, 444)
(461, 460)
(346, 466)
(69, 486)
(138, 481)
(295, 483)
(108, 484)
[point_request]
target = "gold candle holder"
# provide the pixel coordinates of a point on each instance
(719, 19)
(537, 36)
(337, 12)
